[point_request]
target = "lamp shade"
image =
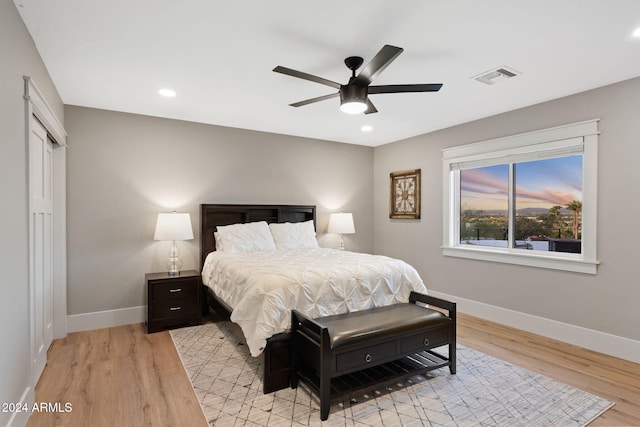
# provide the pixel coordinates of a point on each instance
(173, 226)
(341, 223)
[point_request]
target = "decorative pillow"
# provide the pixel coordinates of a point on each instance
(218, 239)
(294, 235)
(249, 237)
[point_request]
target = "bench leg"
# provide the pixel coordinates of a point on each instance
(325, 397)
(325, 374)
(293, 376)
(293, 351)
(452, 357)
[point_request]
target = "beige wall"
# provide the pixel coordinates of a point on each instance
(19, 58)
(122, 169)
(606, 302)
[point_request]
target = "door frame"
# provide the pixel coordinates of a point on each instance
(36, 105)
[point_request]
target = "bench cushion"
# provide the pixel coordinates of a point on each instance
(355, 327)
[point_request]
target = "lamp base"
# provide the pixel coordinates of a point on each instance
(341, 247)
(175, 263)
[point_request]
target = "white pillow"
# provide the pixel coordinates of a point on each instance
(249, 237)
(218, 239)
(294, 235)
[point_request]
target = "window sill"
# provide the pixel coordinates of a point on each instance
(521, 257)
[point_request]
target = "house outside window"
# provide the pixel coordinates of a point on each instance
(526, 199)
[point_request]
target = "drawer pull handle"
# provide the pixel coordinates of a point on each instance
(367, 358)
(175, 290)
(426, 341)
(175, 308)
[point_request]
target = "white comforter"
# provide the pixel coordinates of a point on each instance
(263, 287)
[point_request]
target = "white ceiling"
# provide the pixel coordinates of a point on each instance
(219, 55)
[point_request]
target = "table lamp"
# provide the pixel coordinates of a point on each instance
(173, 226)
(341, 223)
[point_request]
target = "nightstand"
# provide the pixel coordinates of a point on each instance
(173, 301)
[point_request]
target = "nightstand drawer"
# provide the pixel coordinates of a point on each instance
(174, 308)
(173, 289)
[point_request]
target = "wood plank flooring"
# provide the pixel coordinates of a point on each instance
(611, 378)
(118, 376)
(122, 376)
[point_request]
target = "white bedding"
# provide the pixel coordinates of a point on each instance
(263, 287)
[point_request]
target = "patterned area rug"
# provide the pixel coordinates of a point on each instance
(485, 392)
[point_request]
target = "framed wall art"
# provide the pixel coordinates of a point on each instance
(404, 201)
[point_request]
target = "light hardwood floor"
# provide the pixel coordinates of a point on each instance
(123, 377)
(614, 379)
(118, 376)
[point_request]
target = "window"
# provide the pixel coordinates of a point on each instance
(484, 206)
(526, 199)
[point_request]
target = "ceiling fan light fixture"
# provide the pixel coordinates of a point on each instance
(353, 99)
(353, 107)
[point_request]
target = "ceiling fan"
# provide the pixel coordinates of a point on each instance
(354, 96)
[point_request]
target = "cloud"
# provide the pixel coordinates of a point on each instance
(482, 181)
(485, 184)
(546, 196)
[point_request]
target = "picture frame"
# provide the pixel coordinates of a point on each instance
(404, 197)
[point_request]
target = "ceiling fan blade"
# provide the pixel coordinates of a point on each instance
(305, 76)
(370, 107)
(383, 58)
(317, 99)
(430, 87)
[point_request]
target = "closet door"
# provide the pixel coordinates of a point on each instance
(41, 247)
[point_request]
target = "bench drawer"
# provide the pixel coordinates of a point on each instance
(366, 356)
(424, 340)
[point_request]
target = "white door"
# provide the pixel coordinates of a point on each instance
(41, 244)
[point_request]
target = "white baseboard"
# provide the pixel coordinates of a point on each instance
(105, 319)
(601, 342)
(20, 418)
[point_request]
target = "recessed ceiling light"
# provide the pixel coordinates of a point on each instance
(366, 128)
(636, 33)
(167, 93)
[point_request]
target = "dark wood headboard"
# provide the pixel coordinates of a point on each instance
(213, 215)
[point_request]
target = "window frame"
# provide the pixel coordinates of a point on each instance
(581, 136)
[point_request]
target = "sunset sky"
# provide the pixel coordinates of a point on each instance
(539, 184)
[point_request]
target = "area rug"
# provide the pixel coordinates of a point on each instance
(485, 392)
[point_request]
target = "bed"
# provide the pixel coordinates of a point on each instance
(259, 277)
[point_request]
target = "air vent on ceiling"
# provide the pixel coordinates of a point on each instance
(496, 75)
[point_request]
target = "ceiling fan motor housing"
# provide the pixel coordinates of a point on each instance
(353, 93)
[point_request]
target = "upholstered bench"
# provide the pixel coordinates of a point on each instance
(346, 355)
